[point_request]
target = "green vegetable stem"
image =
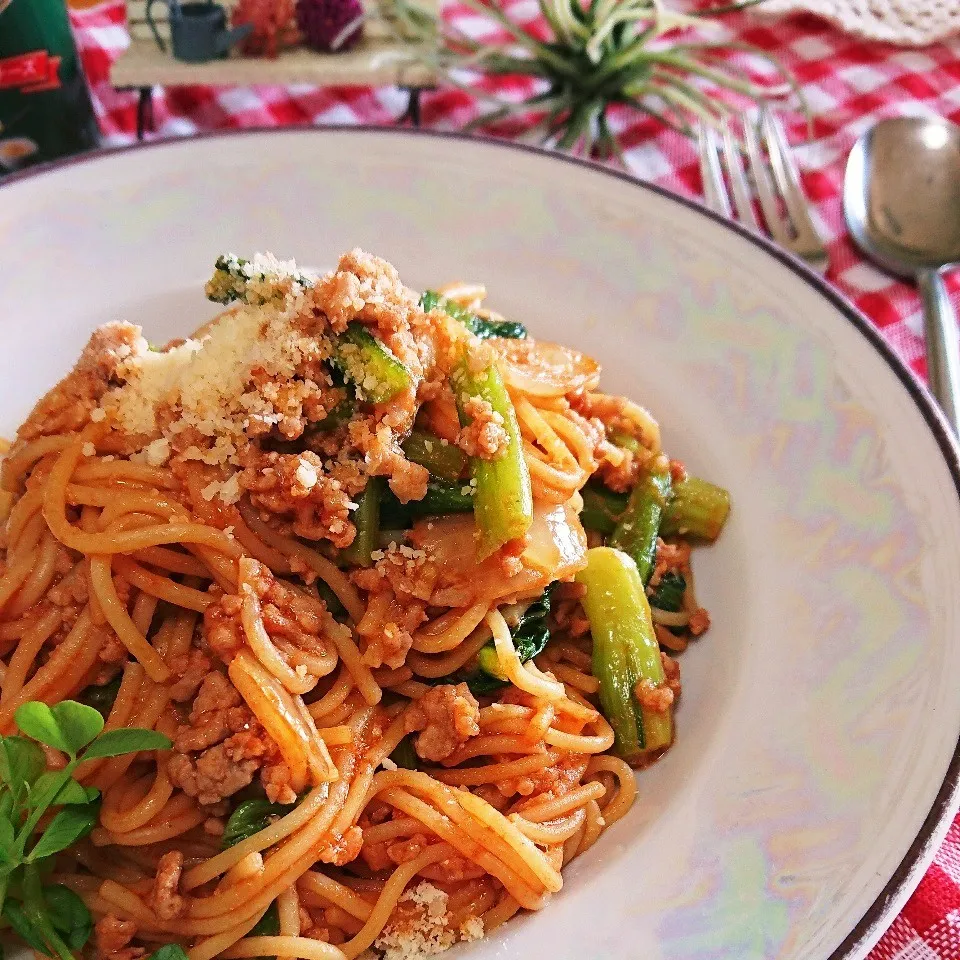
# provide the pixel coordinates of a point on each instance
(625, 651)
(698, 508)
(503, 501)
(50, 918)
(484, 329)
(639, 525)
(369, 365)
(366, 518)
(444, 460)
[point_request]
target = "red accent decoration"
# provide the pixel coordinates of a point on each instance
(24, 69)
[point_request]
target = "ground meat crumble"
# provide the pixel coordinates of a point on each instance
(485, 436)
(447, 716)
(111, 938)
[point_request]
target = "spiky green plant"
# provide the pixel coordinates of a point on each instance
(636, 54)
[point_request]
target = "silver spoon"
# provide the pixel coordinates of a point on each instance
(901, 200)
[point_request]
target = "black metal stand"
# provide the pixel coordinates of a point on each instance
(144, 111)
(412, 113)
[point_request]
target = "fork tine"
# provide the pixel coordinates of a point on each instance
(714, 191)
(765, 194)
(738, 179)
(788, 180)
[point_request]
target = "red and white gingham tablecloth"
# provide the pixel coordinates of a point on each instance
(849, 84)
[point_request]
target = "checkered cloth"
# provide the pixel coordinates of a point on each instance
(848, 83)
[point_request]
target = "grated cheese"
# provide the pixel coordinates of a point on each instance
(425, 933)
(158, 452)
(472, 929)
(88, 449)
(204, 384)
(306, 474)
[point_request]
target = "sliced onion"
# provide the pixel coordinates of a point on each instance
(556, 542)
(544, 369)
(556, 548)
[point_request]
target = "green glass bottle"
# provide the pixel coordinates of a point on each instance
(45, 109)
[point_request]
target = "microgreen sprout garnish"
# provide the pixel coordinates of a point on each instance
(52, 918)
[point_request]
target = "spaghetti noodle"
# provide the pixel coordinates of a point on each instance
(386, 732)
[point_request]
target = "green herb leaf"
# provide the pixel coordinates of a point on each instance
(115, 743)
(169, 951)
(66, 828)
(8, 844)
(69, 915)
(70, 792)
(250, 817)
(21, 762)
(24, 929)
(69, 726)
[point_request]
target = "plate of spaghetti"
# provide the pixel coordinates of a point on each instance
(530, 565)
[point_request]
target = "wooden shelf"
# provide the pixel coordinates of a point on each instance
(373, 62)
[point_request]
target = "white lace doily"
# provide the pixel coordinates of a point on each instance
(913, 23)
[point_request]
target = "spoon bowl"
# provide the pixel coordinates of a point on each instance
(901, 200)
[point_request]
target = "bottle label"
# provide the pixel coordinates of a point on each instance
(30, 72)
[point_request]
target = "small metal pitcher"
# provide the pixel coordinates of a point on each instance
(199, 30)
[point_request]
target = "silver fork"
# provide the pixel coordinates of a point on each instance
(792, 227)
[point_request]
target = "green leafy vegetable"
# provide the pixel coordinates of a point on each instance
(530, 636)
(442, 497)
(250, 817)
(601, 508)
(102, 697)
(21, 762)
(65, 829)
(169, 951)
(14, 915)
(404, 755)
(669, 593)
(52, 919)
(478, 326)
(268, 925)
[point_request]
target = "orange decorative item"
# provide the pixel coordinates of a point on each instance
(274, 26)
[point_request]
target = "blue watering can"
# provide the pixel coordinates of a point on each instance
(199, 30)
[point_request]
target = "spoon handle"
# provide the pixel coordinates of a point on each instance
(943, 360)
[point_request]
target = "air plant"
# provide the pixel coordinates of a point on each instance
(601, 55)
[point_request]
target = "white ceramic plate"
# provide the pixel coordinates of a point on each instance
(816, 765)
